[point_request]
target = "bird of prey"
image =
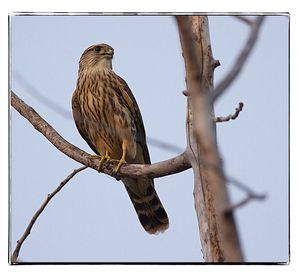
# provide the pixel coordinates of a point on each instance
(109, 120)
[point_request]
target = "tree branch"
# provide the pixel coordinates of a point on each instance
(243, 202)
(231, 116)
(155, 170)
(245, 19)
(251, 195)
(163, 145)
(241, 59)
(20, 242)
(41, 98)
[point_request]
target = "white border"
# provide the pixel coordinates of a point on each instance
(155, 6)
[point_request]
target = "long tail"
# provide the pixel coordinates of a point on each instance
(147, 205)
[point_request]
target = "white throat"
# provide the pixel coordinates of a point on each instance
(104, 63)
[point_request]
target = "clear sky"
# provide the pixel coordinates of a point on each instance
(92, 219)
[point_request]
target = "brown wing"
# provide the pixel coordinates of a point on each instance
(145, 200)
(78, 118)
(129, 100)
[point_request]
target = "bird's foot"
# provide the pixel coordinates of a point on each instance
(103, 159)
(120, 163)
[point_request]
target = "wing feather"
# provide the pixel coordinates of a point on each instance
(78, 118)
(132, 105)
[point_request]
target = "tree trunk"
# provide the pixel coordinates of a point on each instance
(218, 233)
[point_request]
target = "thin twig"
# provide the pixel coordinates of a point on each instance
(238, 184)
(245, 19)
(233, 181)
(241, 59)
(244, 188)
(244, 202)
(163, 145)
(231, 116)
(251, 195)
(20, 242)
(42, 98)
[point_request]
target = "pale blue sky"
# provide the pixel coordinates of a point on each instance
(92, 219)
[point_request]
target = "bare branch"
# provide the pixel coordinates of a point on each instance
(233, 181)
(164, 168)
(243, 202)
(231, 116)
(243, 187)
(42, 98)
(155, 170)
(244, 19)
(241, 59)
(164, 145)
(20, 242)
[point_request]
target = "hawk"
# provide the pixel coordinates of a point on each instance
(108, 118)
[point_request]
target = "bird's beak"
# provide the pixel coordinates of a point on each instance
(109, 53)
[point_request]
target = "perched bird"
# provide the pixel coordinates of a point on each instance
(109, 120)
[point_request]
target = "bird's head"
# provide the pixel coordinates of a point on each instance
(96, 57)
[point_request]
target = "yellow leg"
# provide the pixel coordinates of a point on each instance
(103, 159)
(121, 161)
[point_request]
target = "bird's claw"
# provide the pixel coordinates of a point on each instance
(103, 159)
(121, 162)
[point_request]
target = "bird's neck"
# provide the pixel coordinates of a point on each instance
(104, 64)
(92, 66)
(86, 73)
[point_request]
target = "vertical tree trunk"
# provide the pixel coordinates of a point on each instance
(218, 233)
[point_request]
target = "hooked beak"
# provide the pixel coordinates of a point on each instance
(109, 53)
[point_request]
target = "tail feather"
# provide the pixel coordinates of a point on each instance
(147, 205)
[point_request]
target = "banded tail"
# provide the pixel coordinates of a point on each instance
(147, 205)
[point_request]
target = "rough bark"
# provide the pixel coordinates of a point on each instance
(218, 233)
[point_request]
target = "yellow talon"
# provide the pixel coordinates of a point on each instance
(101, 163)
(121, 162)
(103, 159)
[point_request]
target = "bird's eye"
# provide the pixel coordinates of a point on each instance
(97, 48)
